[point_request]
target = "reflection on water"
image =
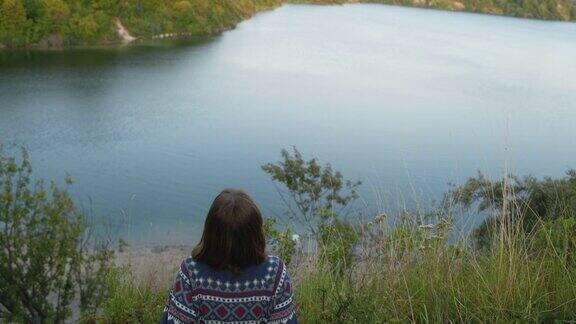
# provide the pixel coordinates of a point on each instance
(404, 99)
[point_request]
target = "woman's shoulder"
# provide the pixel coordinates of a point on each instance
(188, 262)
(272, 263)
(271, 266)
(189, 267)
(274, 260)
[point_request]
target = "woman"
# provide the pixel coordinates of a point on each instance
(229, 277)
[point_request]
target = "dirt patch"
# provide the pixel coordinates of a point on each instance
(457, 5)
(123, 33)
(53, 40)
(157, 265)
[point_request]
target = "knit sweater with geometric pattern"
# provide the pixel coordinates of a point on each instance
(257, 294)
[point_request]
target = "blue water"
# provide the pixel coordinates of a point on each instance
(404, 99)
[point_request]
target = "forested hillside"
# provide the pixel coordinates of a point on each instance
(537, 9)
(79, 22)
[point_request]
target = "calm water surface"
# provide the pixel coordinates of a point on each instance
(404, 99)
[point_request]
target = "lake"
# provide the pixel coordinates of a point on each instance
(406, 100)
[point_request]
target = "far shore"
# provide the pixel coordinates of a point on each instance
(126, 39)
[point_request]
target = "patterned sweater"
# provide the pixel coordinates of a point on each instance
(258, 294)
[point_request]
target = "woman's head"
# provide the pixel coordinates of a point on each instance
(233, 237)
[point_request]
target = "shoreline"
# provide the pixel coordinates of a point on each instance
(120, 44)
(126, 39)
(153, 264)
(108, 45)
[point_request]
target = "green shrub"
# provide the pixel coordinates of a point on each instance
(357, 273)
(338, 240)
(130, 301)
(45, 257)
(522, 202)
(281, 243)
(558, 238)
(447, 283)
(313, 190)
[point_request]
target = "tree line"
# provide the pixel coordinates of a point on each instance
(80, 22)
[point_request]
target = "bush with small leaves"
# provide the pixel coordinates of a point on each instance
(129, 300)
(46, 258)
(338, 239)
(312, 189)
(281, 242)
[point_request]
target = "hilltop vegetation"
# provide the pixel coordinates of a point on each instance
(535, 9)
(79, 22)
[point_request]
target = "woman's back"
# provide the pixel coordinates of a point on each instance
(256, 294)
(229, 277)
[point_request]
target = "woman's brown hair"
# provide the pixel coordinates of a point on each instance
(233, 237)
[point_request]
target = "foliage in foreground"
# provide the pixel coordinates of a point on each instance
(520, 279)
(371, 272)
(411, 274)
(355, 273)
(45, 259)
(374, 273)
(130, 300)
(314, 193)
(518, 201)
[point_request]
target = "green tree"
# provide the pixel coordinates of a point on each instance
(520, 201)
(45, 256)
(56, 13)
(32, 8)
(312, 189)
(281, 242)
(13, 23)
(316, 198)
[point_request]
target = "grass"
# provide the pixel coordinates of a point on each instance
(408, 274)
(415, 271)
(411, 273)
(131, 301)
(443, 284)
